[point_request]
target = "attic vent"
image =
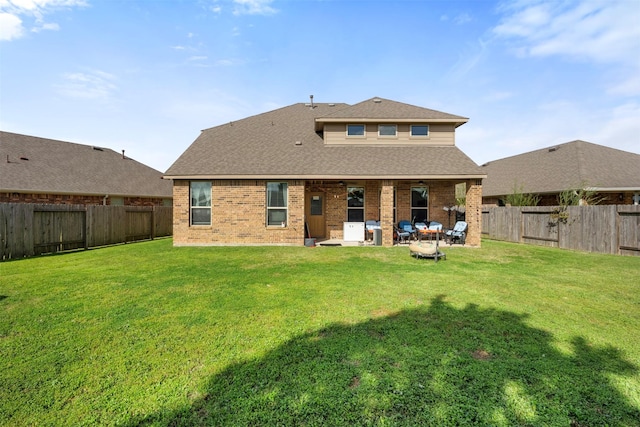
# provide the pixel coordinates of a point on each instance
(98, 149)
(298, 142)
(377, 100)
(552, 149)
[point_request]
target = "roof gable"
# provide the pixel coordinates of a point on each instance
(376, 109)
(32, 164)
(561, 167)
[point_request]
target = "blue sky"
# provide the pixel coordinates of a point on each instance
(147, 76)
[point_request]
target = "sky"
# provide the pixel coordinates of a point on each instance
(147, 76)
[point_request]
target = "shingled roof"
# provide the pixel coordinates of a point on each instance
(284, 144)
(29, 164)
(566, 166)
(380, 109)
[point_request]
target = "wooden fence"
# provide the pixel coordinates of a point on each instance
(611, 229)
(33, 229)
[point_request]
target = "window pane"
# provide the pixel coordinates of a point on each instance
(277, 194)
(355, 197)
(201, 216)
(419, 130)
(419, 197)
(355, 215)
(419, 215)
(276, 216)
(200, 193)
(387, 130)
(316, 205)
(355, 130)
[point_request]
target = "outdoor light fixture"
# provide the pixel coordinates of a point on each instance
(341, 183)
(421, 182)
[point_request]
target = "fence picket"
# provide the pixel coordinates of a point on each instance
(609, 229)
(28, 229)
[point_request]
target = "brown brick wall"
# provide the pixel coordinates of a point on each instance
(239, 210)
(238, 215)
(66, 199)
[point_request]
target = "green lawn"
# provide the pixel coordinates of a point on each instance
(149, 334)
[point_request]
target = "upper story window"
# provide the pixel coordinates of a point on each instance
(277, 204)
(200, 202)
(387, 130)
(355, 130)
(420, 131)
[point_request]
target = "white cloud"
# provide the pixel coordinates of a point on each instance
(253, 7)
(93, 84)
(13, 14)
(602, 31)
(463, 18)
(10, 26)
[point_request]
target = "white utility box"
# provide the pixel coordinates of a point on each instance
(353, 232)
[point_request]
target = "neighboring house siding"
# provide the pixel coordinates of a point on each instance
(439, 134)
(75, 199)
(238, 215)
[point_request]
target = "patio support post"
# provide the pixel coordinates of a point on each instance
(386, 212)
(473, 212)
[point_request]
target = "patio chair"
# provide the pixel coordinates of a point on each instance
(434, 225)
(459, 232)
(420, 226)
(402, 235)
(406, 226)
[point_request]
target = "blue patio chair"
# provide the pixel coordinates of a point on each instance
(434, 225)
(402, 235)
(406, 226)
(459, 232)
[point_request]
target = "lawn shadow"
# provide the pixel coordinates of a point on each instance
(437, 365)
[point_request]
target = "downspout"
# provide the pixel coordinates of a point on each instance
(104, 200)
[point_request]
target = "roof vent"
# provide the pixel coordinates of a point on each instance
(24, 158)
(98, 149)
(552, 149)
(377, 100)
(332, 104)
(311, 97)
(298, 142)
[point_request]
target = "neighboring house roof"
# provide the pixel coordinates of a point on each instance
(572, 165)
(30, 164)
(284, 143)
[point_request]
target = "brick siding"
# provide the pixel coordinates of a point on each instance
(239, 210)
(76, 199)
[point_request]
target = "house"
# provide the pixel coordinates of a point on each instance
(39, 170)
(317, 169)
(613, 174)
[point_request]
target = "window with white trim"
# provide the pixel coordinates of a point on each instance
(200, 205)
(277, 204)
(387, 130)
(419, 204)
(419, 131)
(355, 130)
(355, 204)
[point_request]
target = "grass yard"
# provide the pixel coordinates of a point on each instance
(148, 334)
